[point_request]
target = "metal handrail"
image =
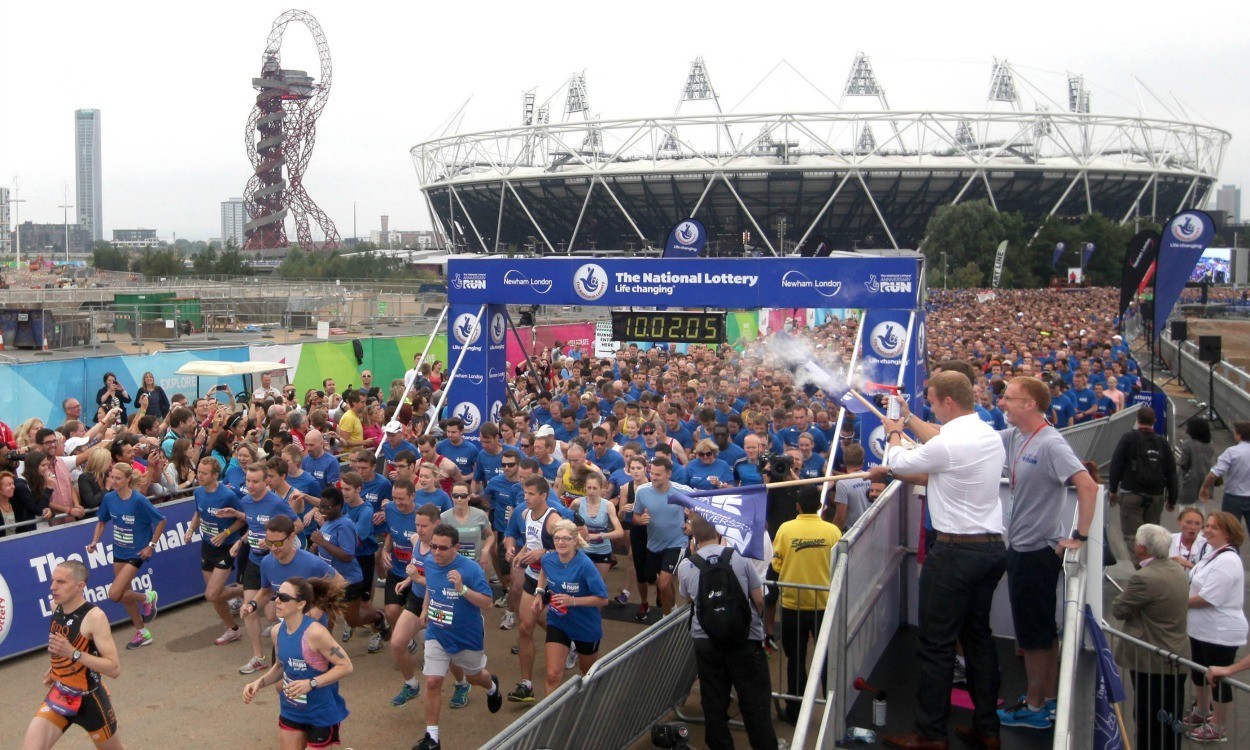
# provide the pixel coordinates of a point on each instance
(1170, 657)
(1073, 638)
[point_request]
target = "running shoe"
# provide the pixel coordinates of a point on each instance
(348, 632)
(516, 650)
(643, 610)
(1023, 717)
(379, 582)
(494, 701)
(380, 625)
(1207, 733)
(427, 743)
(255, 664)
(235, 605)
(570, 661)
(142, 638)
(459, 696)
(405, 694)
(523, 693)
(1052, 708)
(622, 598)
(412, 645)
(230, 636)
(509, 621)
(961, 674)
(494, 581)
(502, 601)
(375, 643)
(1195, 719)
(148, 608)
(770, 644)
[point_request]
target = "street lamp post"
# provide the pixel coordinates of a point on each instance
(65, 207)
(17, 223)
(943, 270)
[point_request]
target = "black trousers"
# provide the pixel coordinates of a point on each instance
(1155, 693)
(797, 625)
(746, 671)
(956, 590)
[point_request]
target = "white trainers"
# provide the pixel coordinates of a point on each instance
(509, 621)
(230, 636)
(254, 665)
(570, 662)
(502, 601)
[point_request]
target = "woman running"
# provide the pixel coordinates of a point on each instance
(137, 527)
(573, 592)
(602, 524)
(310, 664)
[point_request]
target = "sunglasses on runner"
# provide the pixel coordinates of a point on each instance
(285, 597)
(459, 495)
(440, 547)
(276, 542)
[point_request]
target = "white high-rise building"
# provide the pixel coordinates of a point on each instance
(6, 241)
(233, 217)
(89, 187)
(1228, 200)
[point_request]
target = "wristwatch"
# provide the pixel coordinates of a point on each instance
(1079, 536)
(75, 656)
(313, 683)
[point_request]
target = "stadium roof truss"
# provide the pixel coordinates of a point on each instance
(769, 182)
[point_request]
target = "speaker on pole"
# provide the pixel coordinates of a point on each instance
(1180, 330)
(1209, 349)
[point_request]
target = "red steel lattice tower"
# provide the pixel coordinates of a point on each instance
(281, 133)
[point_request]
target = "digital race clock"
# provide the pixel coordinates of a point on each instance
(670, 327)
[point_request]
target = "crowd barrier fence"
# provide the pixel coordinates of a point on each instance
(1224, 388)
(1096, 441)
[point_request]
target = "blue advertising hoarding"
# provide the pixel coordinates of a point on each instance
(26, 564)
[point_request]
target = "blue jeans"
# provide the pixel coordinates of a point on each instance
(956, 591)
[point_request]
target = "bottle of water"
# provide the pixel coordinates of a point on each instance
(861, 735)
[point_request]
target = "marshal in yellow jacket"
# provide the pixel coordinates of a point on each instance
(802, 551)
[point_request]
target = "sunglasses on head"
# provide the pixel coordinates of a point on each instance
(286, 598)
(648, 432)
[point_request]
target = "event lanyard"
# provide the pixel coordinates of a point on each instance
(1021, 453)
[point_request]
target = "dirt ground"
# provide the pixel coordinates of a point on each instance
(1234, 337)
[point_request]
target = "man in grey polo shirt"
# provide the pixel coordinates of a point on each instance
(1233, 466)
(1040, 463)
(744, 669)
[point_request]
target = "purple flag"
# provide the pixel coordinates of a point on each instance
(738, 513)
(1108, 689)
(1184, 239)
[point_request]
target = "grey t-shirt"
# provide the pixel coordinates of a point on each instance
(473, 531)
(688, 584)
(854, 495)
(1041, 467)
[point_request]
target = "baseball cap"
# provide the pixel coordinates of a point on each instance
(544, 430)
(393, 427)
(74, 444)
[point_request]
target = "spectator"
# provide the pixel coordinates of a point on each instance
(1195, 459)
(1144, 464)
(1233, 467)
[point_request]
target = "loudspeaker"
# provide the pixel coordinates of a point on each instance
(1180, 330)
(1209, 349)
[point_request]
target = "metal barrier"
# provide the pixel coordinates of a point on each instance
(1154, 669)
(1225, 388)
(863, 612)
(1096, 441)
(594, 706)
(1071, 718)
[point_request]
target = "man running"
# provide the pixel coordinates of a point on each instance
(336, 542)
(407, 588)
(456, 593)
(217, 539)
(82, 649)
(539, 520)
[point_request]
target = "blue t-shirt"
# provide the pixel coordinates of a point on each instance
(499, 493)
(665, 529)
(390, 453)
(362, 520)
(325, 469)
(400, 526)
(305, 564)
(341, 532)
(731, 453)
(683, 438)
(790, 436)
(611, 461)
(258, 514)
(1105, 406)
(1083, 399)
(438, 497)
(698, 474)
(207, 503)
(463, 455)
(419, 560)
(305, 483)
(375, 492)
(488, 465)
(516, 525)
(564, 434)
(540, 416)
(812, 468)
(235, 476)
(747, 472)
(1061, 410)
(550, 470)
(453, 621)
(577, 577)
(134, 520)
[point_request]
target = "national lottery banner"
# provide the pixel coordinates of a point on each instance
(27, 561)
(741, 283)
(885, 348)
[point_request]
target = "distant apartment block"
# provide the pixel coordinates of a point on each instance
(88, 184)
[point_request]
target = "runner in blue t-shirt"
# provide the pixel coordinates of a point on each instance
(454, 447)
(137, 528)
(456, 594)
(428, 490)
(489, 459)
(217, 539)
(572, 590)
(336, 543)
(319, 462)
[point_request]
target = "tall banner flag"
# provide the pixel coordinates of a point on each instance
(1185, 236)
(1059, 248)
(686, 240)
(738, 513)
(1108, 691)
(1140, 256)
(998, 262)
(1085, 253)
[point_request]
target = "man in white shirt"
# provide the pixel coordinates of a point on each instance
(266, 389)
(961, 466)
(1233, 466)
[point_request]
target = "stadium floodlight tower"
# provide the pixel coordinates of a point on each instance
(281, 133)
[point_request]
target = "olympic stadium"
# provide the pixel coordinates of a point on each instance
(777, 182)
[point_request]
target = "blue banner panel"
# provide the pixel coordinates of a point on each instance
(26, 564)
(480, 385)
(885, 359)
(746, 283)
(1185, 238)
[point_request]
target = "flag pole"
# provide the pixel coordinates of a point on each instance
(816, 480)
(873, 407)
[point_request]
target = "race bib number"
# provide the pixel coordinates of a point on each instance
(300, 701)
(441, 614)
(469, 551)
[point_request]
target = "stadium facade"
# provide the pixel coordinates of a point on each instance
(774, 182)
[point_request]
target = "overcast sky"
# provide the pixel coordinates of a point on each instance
(173, 80)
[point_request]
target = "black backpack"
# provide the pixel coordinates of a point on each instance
(1148, 465)
(721, 605)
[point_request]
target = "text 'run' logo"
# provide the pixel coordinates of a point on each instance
(590, 282)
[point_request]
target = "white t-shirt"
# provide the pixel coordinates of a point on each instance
(1195, 553)
(1220, 580)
